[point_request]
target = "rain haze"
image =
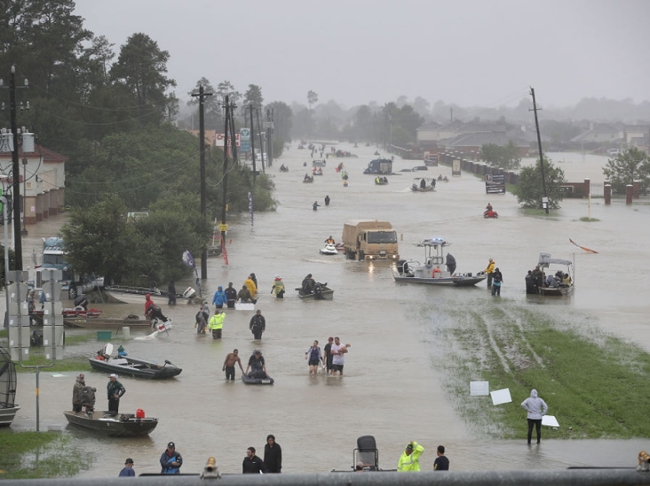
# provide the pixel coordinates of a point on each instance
(468, 52)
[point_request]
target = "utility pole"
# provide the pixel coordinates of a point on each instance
(250, 107)
(269, 135)
(224, 206)
(541, 154)
(15, 164)
(259, 131)
(202, 96)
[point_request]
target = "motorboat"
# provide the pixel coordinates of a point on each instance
(558, 268)
(420, 184)
(381, 181)
(308, 179)
(113, 425)
(138, 368)
(8, 408)
(88, 322)
(257, 381)
(431, 272)
(329, 249)
(321, 292)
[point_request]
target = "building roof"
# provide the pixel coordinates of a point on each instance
(481, 138)
(49, 156)
(432, 125)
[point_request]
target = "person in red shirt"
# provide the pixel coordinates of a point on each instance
(152, 311)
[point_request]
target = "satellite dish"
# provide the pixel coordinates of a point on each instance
(108, 349)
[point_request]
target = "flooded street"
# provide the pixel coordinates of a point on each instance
(392, 384)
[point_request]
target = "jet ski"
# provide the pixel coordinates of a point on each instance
(329, 249)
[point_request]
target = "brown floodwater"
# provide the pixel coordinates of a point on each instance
(392, 387)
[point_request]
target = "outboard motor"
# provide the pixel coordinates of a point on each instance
(318, 291)
(81, 302)
(88, 398)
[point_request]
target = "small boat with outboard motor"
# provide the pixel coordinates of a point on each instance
(431, 272)
(421, 184)
(113, 425)
(138, 368)
(321, 292)
(559, 276)
(109, 424)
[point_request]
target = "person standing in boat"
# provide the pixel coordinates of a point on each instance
(77, 393)
(115, 391)
(278, 287)
(231, 296)
(451, 264)
(220, 298)
(490, 270)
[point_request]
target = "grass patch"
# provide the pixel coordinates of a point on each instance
(596, 385)
(589, 220)
(74, 363)
(27, 455)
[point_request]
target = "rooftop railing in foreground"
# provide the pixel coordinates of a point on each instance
(567, 477)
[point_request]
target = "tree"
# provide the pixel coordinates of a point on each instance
(282, 121)
(304, 124)
(141, 67)
(226, 88)
(253, 96)
(530, 191)
(627, 167)
(212, 110)
(312, 98)
(506, 158)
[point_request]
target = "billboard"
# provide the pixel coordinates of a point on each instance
(220, 138)
(245, 136)
(495, 184)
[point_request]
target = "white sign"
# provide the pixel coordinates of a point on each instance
(550, 421)
(245, 133)
(501, 396)
(220, 139)
(479, 388)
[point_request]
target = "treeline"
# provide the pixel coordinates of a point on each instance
(112, 112)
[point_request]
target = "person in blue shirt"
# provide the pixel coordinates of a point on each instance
(127, 470)
(219, 298)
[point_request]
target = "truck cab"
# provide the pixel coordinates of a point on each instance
(379, 166)
(370, 240)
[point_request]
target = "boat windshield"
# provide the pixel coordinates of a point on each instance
(382, 237)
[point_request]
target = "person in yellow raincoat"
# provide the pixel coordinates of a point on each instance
(216, 324)
(409, 461)
(252, 288)
(490, 272)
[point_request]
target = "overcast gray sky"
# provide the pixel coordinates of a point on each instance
(470, 52)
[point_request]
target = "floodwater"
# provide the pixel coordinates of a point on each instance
(392, 387)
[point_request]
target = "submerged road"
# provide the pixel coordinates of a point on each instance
(392, 384)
